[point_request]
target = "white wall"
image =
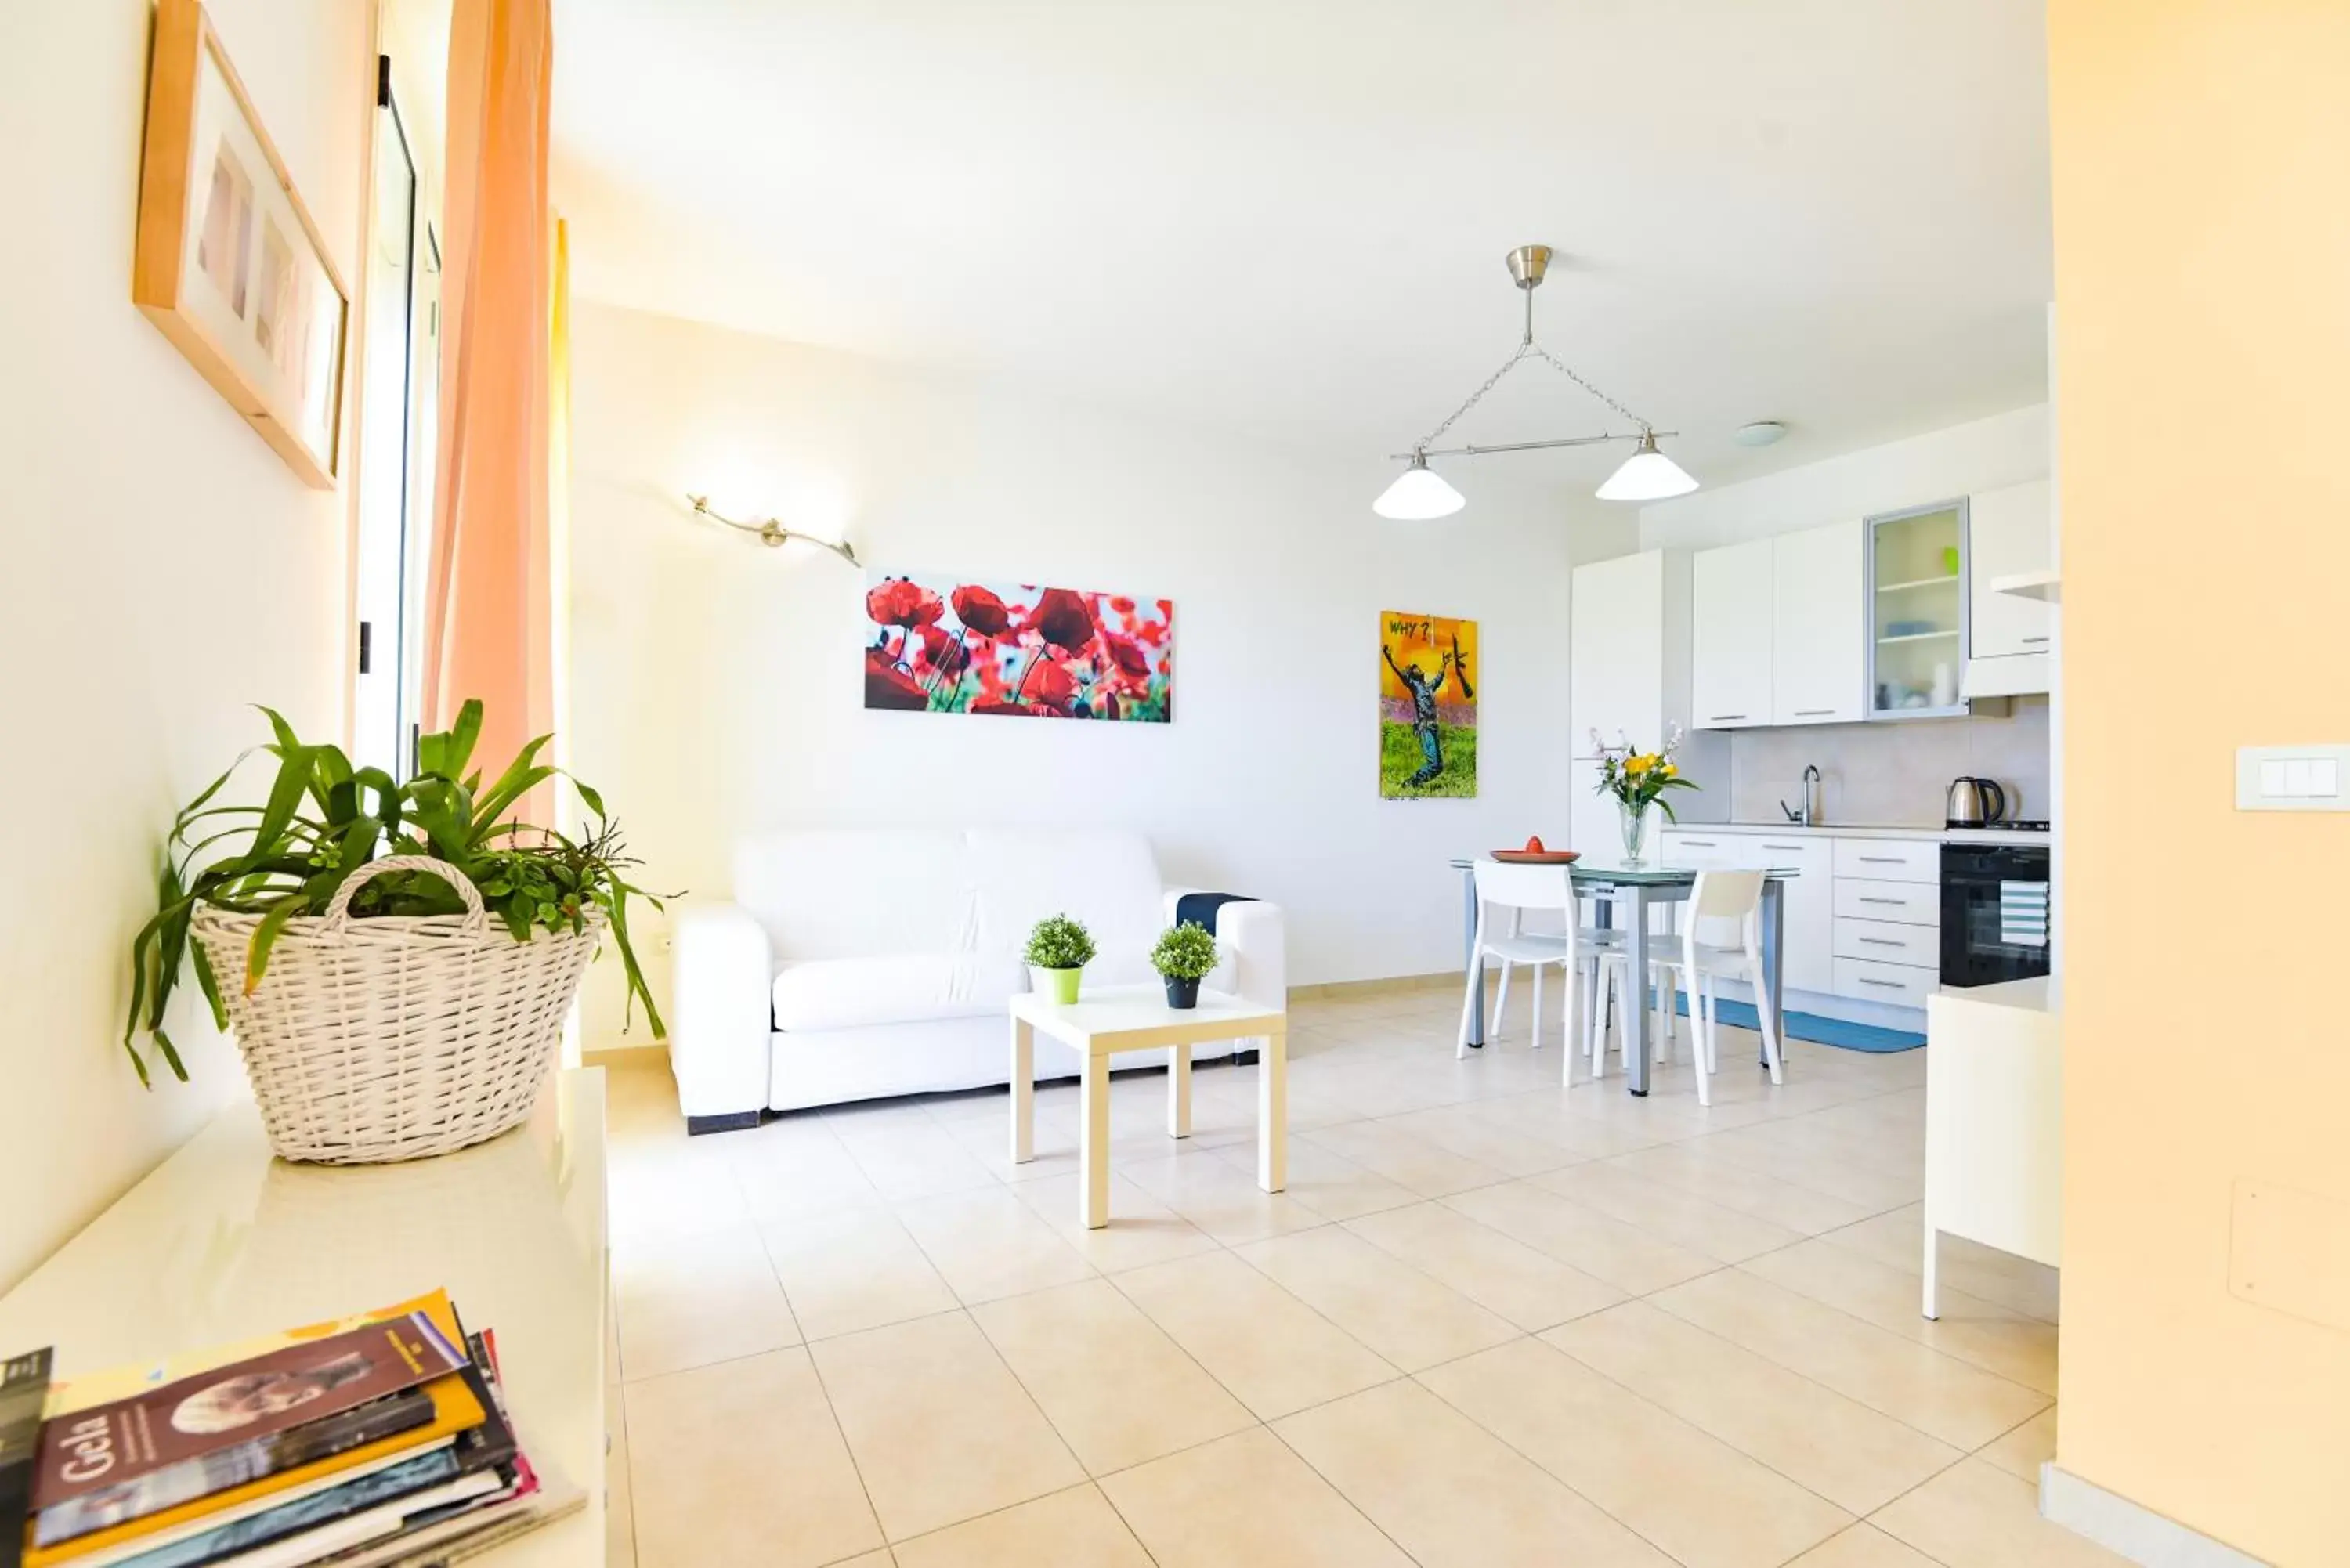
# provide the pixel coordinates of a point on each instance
(163, 567)
(2006, 449)
(717, 684)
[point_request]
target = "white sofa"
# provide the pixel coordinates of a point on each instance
(856, 965)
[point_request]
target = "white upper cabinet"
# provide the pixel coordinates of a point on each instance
(1730, 636)
(2010, 535)
(1819, 654)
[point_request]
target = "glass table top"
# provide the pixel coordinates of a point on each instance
(1610, 870)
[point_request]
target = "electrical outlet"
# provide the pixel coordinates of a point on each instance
(2293, 778)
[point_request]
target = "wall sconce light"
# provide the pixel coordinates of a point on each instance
(772, 534)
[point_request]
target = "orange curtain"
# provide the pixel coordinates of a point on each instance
(489, 622)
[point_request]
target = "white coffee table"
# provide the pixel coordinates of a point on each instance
(1104, 1022)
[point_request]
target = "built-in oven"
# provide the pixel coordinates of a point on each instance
(1994, 912)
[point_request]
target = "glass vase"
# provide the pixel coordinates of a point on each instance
(1634, 820)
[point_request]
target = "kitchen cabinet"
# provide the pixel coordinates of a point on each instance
(1627, 677)
(1730, 634)
(1819, 666)
(1808, 910)
(1916, 617)
(2009, 636)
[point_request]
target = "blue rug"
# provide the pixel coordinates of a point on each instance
(1840, 1032)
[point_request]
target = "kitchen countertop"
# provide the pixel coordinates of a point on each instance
(1864, 830)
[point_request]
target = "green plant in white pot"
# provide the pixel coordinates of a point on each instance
(1058, 950)
(1183, 956)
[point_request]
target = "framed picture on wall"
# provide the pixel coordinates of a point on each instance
(1429, 671)
(228, 262)
(947, 644)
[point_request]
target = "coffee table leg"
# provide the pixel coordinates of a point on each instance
(1272, 1113)
(1093, 1144)
(1024, 1092)
(1178, 1091)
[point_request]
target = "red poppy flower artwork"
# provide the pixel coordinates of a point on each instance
(936, 644)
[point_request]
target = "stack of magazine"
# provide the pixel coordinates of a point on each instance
(377, 1441)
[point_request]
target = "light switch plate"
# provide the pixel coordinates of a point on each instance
(2293, 778)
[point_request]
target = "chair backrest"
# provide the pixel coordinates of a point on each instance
(1524, 886)
(1726, 896)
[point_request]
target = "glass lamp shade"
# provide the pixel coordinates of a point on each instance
(1646, 475)
(1417, 494)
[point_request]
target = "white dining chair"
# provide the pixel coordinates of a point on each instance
(1507, 894)
(1717, 899)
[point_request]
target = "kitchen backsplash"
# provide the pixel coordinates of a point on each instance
(1894, 774)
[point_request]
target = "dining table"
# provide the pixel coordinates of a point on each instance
(1623, 894)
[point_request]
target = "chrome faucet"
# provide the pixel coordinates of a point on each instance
(1811, 792)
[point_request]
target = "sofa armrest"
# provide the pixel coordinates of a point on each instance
(721, 1015)
(1250, 934)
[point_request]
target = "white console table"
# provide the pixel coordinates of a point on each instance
(223, 1242)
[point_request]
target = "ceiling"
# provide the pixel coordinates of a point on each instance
(1290, 217)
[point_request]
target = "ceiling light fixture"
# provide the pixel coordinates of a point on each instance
(1761, 432)
(1420, 492)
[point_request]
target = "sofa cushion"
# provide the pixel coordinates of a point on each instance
(853, 893)
(1107, 879)
(897, 988)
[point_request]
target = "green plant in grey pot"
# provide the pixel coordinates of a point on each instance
(1058, 950)
(1183, 956)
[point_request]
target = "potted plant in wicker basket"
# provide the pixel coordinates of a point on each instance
(1183, 956)
(396, 960)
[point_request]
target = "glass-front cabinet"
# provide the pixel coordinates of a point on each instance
(1918, 611)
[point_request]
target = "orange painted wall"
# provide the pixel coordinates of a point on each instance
(2202, 221)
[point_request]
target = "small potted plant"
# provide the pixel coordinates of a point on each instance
(1058, 950)
(1183, 956)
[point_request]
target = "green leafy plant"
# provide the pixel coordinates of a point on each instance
(322, 819)
(1187, 951)
(1060, 942)
(1639, 779)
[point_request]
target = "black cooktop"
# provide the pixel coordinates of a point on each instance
(2017, 826)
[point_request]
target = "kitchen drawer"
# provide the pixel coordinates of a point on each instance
(1707, 851)
(1902, 903)
(1896, 985)
(1889, 859)
(1880, 941)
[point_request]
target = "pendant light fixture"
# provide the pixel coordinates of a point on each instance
(1421, 493)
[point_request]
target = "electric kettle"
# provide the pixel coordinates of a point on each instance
(1974, 802)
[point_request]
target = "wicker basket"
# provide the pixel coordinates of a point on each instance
(397, 1036)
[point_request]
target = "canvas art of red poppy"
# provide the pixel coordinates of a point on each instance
(1018, 650)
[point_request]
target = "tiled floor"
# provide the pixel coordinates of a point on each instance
(1491, 1323)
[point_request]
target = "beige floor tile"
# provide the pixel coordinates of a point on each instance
(906, 1157)
(1688, 1166)
(1668, 1213)
(1271, 1350)
(1141, 1229)
(853, 1269)
(1942, 1397)
(1499, 1273)
(1897, 1239)
(1115, 1386)
(1246, 1498)
(1984, 1333)
(884, 1558)
(1761, 1148)
(987, 1243)
(1332, 1186)
(940, 1428)
(1843, 1450)
(742, 1465)
(697, 1298)
(1408, 1317)
(666, 1189)
(1862, 1546)
(1413, 1162)
(1560, 1228)
(1975, 1515)
(794, 1165)
(1449, 1492)
(2022, 1451)
(1699, 1500)
(1469, 1132)
(1071, 1529)
(1219, 1198)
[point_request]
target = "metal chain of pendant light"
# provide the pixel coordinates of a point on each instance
(1420, 492)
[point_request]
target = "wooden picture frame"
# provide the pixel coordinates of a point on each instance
(229, 263)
